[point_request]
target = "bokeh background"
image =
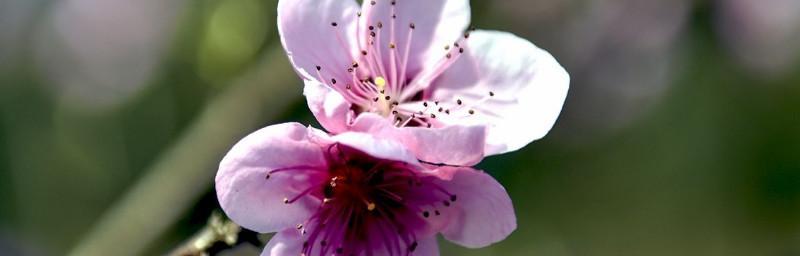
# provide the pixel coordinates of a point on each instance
(680, 135)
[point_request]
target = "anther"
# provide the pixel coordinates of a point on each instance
(394, 2)
(299, 226)
(429, 125)
(426, 214)
(412, 26)
(333, 80)
(391, 46)
(453, 198)
(441, 109)
(364, 53)
(358, 13)
(458, 101)
(334, 24)
(437, 213)
(286, 200)
(372, 2)
(446, 203)
(491, 94)
(460, 50)
(387, 97)
(413, 246)
(371, 28)
(370, 206)
(319, 68)
(380, 24)
(266, 177)
(449, 55)
(447, 47)
(433, 115)
(447, 111)
(425, 104)
(471, 112)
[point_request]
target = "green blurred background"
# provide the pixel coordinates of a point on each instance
(680, 135)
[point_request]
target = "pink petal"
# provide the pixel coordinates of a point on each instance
(379, 148)
(483, 213)
(328, 106)
(310, 39)
(252, 200)
(289, 242)
(528, 84)
(452, 145)
(437, 23)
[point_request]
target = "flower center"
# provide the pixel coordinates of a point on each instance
(368, 205)
(380, 79)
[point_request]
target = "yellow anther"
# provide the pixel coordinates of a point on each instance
(370, 206)
(380, 82)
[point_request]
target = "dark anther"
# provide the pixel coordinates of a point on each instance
(394, 112)
(349, 70)
(364, 53)
(394, 2)
(399, 119)
(267, 177)
(425, 104)
(286, 200)
(426, 214)
(372, 34)
(339, 250)
(371, 28)
(433, 115)
(305, 244)
(380, 25)
(447, 47)
(387, 97)
(383, 91)
(375, 99)
(334, 24)
(471, 112)
(437, 212)
(429, 125)
(436, 102)
(372, 2)
(359, 14)
(447, 111)
(446, 203)
(441, 109)
(460, 50)
(355, 64)
(456, 44)
(491, 94)
(413, 246)
(348, 86)
(412, 26)
(453, 198)
(458, 101)
(449, 55)
(392, 46)
(333, 80)
(319, 68)
(466, 35)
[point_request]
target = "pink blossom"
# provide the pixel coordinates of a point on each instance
(411, 63)
(355, 194)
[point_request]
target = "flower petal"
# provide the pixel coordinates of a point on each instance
(379, 148)
(451, 145)
(483, 213)
(509, 84)
(254, 201)
(310, 39)
(436, 24)
(328, 106)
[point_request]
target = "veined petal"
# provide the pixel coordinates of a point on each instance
(483, 213)
(451, 145)
(436, 23)
(328, 106)
(253, 198)
(379, 148)
(506, 83)
(319, 33)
